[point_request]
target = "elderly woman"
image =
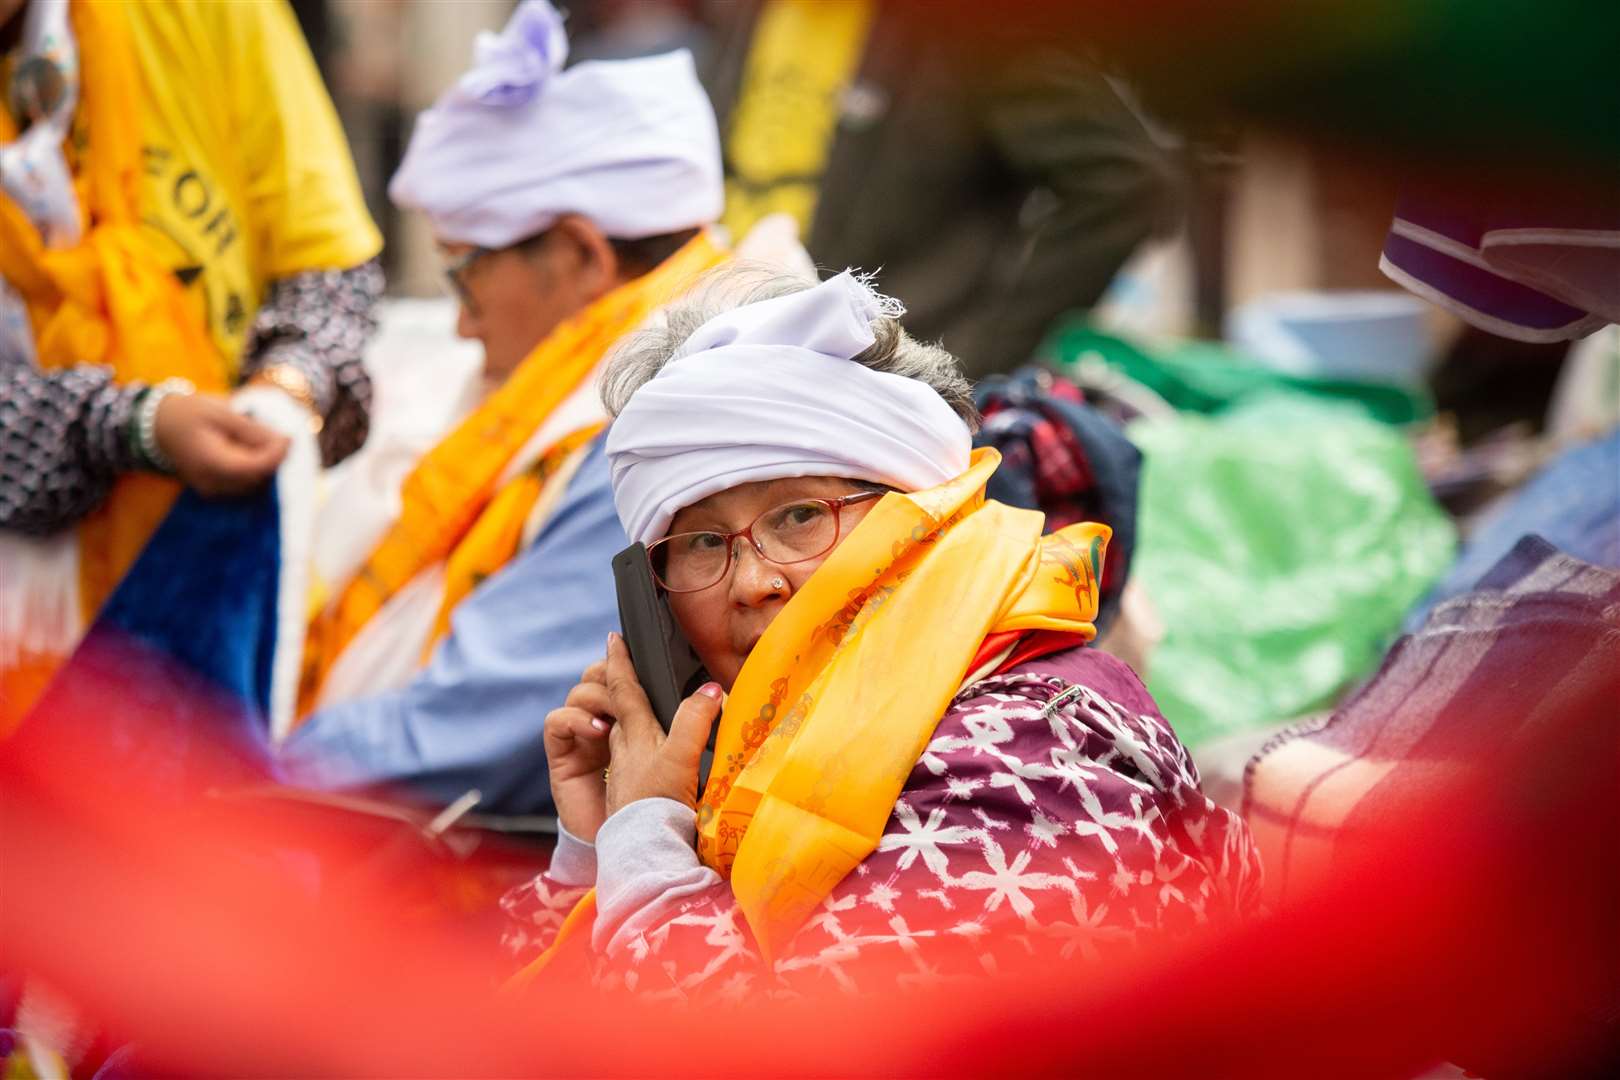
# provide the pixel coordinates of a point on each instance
(918, 766)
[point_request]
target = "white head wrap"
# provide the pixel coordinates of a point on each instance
(518, 142)
(769, 391)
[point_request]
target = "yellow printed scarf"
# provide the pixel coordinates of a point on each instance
(841, 695)
(108, 300)
(452, 489)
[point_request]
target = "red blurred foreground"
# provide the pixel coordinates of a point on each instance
(1483, 932)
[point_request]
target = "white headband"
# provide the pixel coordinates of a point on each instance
(769, 391)
(519, 141)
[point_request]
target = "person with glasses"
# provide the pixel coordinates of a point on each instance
(919, 767)
(569, 205)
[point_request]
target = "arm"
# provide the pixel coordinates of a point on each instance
(1062, 128)
(1063, 834)
(64, 439)
(314, 239)
(473, 716)
(318, 323)
(66, 436)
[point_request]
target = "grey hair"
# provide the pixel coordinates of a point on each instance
(643, 354)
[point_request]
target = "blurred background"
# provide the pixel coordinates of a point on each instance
(1264, 210)
(1317, 441)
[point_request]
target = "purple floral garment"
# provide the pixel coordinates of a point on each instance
(1054, 813)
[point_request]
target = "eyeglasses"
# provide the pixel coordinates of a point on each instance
(457, 269)
(786, 534)
(455, 272)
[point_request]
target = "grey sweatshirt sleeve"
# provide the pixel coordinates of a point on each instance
(573, 862)
(646, 866)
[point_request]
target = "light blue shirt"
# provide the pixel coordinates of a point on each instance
(517, 644)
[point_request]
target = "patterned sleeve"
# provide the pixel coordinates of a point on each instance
(534, 912)
(1042, 819)
(64, 438)
(319, 322)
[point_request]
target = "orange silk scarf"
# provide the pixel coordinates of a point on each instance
(109, 300)
(454, 486)
(840, 697)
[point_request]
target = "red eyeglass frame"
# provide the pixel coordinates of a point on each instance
(835, 505)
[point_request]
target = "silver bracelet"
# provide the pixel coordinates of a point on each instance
(146, 422)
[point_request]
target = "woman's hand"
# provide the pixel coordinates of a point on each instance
(647, 764)
(576, 741)
(216, 450)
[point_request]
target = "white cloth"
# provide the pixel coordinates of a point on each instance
(425, 380)
(296, 485)
(518, 142)
(769, 391)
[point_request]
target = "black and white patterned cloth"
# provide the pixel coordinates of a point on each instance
(64, 435)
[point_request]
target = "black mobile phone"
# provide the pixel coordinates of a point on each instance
(666, 665)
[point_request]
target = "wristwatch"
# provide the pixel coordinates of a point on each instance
(295, 384)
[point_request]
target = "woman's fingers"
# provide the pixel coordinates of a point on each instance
(689, 731)
(631, 709)
(566, 728)
(596, 673)
(593, 697)
(576, 753)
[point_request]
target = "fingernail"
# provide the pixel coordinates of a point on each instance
(612, 637)
(598, 723)
(710, 690)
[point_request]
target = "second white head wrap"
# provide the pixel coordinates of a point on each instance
(518, 141)
(770, 391)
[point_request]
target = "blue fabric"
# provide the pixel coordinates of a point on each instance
(1574, 503)
(177, 666)
(517, 644)
(204, 590)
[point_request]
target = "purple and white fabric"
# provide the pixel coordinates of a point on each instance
(1536, 272)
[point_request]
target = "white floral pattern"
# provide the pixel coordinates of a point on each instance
(1043, 818)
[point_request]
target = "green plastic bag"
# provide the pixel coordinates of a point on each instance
(1282, 541)
(1207, 377)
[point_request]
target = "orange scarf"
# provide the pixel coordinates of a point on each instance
(107, 300)
(495, 538)
(451, 509)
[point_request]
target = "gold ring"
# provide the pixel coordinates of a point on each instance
(605, 773)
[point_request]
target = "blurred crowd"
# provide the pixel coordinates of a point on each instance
(731, 502)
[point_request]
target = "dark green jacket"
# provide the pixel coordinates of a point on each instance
(996, 179)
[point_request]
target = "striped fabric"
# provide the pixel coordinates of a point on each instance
(1509, 665)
